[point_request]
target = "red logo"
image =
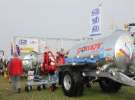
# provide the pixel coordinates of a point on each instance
(91, 47)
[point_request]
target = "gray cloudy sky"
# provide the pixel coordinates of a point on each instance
(51, 18)
(66, 18)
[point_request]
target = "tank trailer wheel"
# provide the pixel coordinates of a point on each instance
(72, 84)
(109, 86)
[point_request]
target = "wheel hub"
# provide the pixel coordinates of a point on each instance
(67, 82)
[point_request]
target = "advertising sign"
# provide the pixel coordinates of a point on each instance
(95, 22)
(26, 44)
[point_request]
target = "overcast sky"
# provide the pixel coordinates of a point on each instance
(51, 18)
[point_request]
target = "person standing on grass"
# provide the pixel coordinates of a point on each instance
(1, 67)
(15, 69)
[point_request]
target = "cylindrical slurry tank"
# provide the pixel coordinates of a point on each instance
(119, 46)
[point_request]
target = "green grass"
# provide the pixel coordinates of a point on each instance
(94, 93)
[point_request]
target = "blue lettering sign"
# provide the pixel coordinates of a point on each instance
(95, 12)
(22, 42)
(95, 20)
(95, 28)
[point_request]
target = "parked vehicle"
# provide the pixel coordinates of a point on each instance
(110, 61)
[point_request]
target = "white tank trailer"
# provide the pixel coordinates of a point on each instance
(110, 61)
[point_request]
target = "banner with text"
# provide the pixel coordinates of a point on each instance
(95, 22)
(26, 44)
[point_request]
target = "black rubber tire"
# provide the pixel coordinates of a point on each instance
(28, 88)
(39, 87)
(76, 88)
(109, 86)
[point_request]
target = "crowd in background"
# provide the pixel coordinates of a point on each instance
(9, 68)
(4, 63)
(3, 67)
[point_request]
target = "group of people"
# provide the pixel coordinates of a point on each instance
(15, 67)
(50, 66)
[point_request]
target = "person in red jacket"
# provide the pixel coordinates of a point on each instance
(15, 72)
(60, 58)
(45, 62)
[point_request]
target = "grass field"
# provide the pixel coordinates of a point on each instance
(94, 93)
